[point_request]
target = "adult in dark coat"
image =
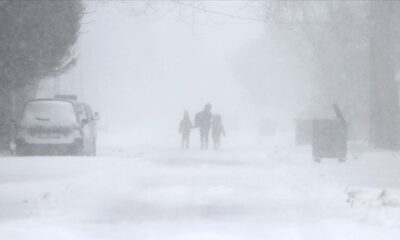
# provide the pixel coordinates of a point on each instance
(203, 122)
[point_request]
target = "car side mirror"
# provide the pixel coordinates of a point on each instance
(96, 116)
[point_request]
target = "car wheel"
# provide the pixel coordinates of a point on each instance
(79, 151)
(19, 152)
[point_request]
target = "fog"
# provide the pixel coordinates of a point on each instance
(141, 71)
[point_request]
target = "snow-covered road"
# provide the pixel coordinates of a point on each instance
(268, 193)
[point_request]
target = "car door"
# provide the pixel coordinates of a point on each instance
(84, 122)
(91, 129)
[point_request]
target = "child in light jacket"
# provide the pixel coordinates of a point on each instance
(217, 129)
(185, 127)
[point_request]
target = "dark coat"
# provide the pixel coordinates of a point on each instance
(203, 120)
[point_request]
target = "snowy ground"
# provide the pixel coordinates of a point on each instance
(271, 192)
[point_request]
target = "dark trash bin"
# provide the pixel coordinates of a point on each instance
(329, 139)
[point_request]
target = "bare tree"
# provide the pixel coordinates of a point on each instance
(353, 46)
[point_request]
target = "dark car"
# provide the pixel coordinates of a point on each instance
(55, 127)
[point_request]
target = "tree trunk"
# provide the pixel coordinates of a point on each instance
(384, 93)
(6, 109)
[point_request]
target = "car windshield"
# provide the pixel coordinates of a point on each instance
(48, 114)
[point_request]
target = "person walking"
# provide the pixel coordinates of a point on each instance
(185, 127)
(217, 130)
(203, 122)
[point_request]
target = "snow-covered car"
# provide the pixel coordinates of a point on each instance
(54, 127)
